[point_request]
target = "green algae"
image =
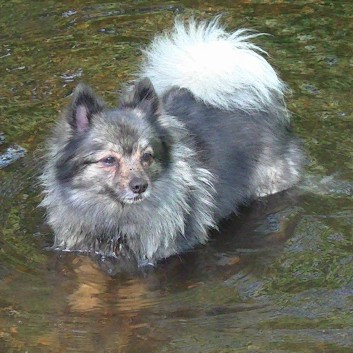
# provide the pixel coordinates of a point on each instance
(288, 291)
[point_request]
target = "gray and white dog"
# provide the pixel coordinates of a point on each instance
(203, 131)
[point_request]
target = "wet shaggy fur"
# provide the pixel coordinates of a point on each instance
(202, 132)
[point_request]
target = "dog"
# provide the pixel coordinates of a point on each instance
(203, 130)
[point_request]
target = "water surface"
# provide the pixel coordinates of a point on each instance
(279, 278)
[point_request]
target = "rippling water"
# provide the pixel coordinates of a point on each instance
(279, 278)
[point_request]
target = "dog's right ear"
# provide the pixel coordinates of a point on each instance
(84, 105)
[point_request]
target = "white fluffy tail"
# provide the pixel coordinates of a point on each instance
(222, 69)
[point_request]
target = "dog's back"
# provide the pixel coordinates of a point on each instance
(250, 154)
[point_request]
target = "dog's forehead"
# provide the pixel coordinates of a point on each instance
(128, 121)
(126, 129)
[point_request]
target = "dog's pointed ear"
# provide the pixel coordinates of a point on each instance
(84, 105)
(143, 96)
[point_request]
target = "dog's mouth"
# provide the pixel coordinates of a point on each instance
(132, 200)
(126, 197)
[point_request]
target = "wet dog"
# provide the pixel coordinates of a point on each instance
(203, 131)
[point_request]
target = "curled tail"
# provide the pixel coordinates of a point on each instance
(222, 69)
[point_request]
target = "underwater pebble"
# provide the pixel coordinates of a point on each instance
(70, 77)
(310, 88)
(273, 221)
(69, 13)
(12, 154)
(331, 60)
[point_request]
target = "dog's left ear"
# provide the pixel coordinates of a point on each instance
(143, 96)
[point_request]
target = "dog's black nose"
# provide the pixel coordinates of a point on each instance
(138, 185)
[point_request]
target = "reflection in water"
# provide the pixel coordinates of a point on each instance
(107, 312)
(278, 278)
(91, 282)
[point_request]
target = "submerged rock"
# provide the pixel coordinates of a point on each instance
(2, 137)
(11, 154)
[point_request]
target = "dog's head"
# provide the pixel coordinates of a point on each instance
(114, 153)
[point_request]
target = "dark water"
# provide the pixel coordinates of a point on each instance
(277, 279)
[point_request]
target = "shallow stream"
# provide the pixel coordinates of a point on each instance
(277, 279)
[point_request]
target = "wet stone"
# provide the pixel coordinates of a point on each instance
(2, 138)
(309, 88)
(11, 154)
(331, 60)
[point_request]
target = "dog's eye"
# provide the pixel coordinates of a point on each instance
(147, 157)
(109, 161)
